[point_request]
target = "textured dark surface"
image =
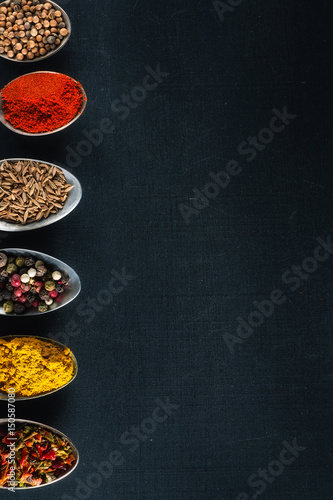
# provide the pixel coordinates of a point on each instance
(163, 336)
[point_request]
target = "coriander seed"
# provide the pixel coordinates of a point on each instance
(21, 21)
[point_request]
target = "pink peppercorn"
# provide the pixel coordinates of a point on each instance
(53, 294)
(35, 303)
(38, 286)
(18, 292)
(22, 299)
(15, 280)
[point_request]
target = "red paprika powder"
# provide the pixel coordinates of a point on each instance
(41, 102)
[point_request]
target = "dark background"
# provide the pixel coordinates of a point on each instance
(163, 335)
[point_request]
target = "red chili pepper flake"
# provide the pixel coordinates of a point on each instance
(49, 455)
(41, 102)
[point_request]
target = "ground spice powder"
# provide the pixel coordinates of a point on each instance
(41, 102)
(33, 366)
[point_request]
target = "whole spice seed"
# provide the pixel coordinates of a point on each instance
(31, 191)
(26, 283)
(41, 102)
(15, 16)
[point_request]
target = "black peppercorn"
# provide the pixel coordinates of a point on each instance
(19, 308)
(6, 295)
(30, 261)
(3, 259)
(31, 297)
(41, 271)
(48, 275)
(65, 280)
(44, 294)
(59, 287)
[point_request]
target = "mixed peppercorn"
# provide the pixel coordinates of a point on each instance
(41, 456)
(27, 283)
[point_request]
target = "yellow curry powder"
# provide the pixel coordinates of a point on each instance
(33, 366)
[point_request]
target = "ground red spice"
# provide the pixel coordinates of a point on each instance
(41, 102)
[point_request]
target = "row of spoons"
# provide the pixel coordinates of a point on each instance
(74, 286)
(67, 22)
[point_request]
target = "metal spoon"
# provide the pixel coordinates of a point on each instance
(72, 290)
(18, 422)
(73, 200)
(52, 52)
(39, 134)
(4, 395)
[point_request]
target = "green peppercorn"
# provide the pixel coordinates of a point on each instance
(11, 259)
(49, 286)
(9, 306)
(11, 268)
(20, 261)
(42, 307)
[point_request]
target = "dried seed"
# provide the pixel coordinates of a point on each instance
(27, 192)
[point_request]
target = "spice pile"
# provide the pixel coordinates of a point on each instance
(30, 191)
(27, 283)
(33, 366)
(30, 29)
(41, 102)
(41, 456)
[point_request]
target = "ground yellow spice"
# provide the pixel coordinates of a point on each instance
(33, 366)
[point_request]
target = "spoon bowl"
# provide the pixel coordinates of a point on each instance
(20, 422)
(72, 289)
(39, 134)
(4, 395)
(51, 52)
(72, 201)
